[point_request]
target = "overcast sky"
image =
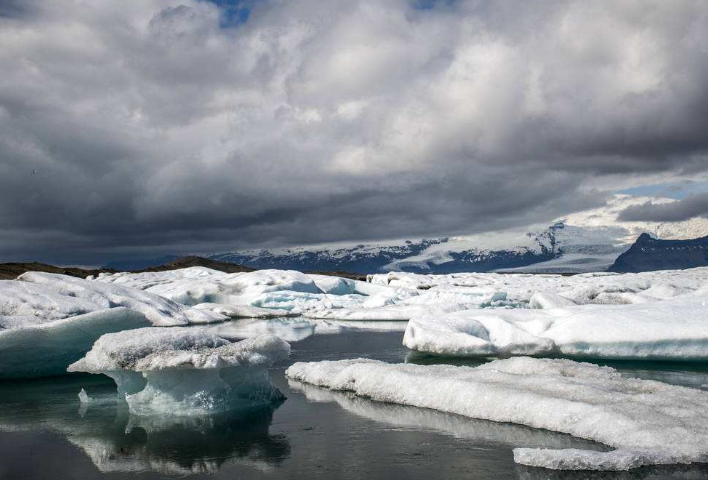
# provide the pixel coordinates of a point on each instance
(135, 128)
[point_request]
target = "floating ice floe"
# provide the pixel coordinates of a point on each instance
(667, 330)
(186, 371)
(36, 297)
(48, 321)
(646, 422)
(412, 418)
(195, 285)
(601, 288)
(45, 349)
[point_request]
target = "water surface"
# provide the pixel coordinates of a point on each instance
(46, 434)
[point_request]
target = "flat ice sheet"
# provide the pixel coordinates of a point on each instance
(666, 330)
(646, 422)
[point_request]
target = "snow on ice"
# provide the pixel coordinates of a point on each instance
(667, 330)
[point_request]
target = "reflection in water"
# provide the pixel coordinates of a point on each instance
(687, 472)
(420, 358)
(184, 445)
(117, 441)
(296, 329)
(685, 374)
(478, 431)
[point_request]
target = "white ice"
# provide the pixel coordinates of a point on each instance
(186, 371)
(646, 422)
(37, 297)
(666, 330)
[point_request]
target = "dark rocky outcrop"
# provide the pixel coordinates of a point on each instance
(648, 254)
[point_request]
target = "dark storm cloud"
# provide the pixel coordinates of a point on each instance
(178, 126)
(15, 8)
(695, 205)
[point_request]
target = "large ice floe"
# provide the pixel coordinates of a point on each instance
(48, 321)
(645, 422)
(278, 293)
(667, 330)
(186, 371)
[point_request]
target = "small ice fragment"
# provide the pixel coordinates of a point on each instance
(84, 397)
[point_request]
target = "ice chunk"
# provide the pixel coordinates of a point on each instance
(582, 289)
(334, 285)
(667, 330)
(549, 300)
(36, 297)
(646, 422)
(192, 286)
(84, 397)
(44, 349)
(185, 371)
(242, 311)
(389, 313)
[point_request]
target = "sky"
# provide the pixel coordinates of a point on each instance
(135, 129)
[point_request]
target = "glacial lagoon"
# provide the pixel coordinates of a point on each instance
(46, 432)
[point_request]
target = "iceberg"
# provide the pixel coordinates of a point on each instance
(48, 321)
(666, 330)
(37, 297)
(645, 422)
(596, 288)
(186, 371)
(48, 348)
(396, 312)
(242, 311)
(195, 285)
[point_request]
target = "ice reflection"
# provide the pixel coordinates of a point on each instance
(477, 431)
(173, 445)
(686, 472)
(117, 441)
(296, 329)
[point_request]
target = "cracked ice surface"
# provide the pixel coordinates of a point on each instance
(186, 371)
(646, 422)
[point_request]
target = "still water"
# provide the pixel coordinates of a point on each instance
(45, 433)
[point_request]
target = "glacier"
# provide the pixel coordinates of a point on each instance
(644, 421)
(186, 371)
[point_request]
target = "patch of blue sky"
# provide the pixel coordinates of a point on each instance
(431, 4)
(668, 190)
(234, 12)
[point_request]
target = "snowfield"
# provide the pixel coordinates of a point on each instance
(186, 371)
(646, 422)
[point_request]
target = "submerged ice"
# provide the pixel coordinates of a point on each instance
(645, 422)
(186, 371)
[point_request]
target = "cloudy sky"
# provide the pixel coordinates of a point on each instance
(135, 128)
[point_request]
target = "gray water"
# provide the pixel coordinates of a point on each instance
(46, 434)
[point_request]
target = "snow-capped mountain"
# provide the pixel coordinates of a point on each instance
(581, 242)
